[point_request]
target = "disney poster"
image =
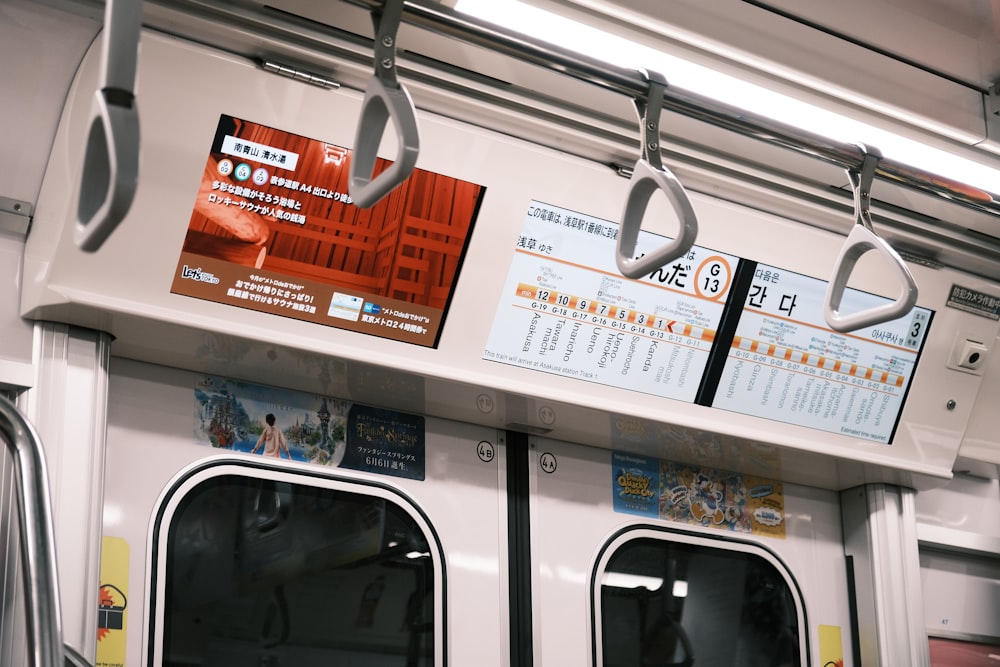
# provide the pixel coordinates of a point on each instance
(696, 495)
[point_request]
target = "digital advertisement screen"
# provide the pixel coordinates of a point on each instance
(710, 328)
(274, 230)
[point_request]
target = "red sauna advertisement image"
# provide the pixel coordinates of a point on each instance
(274, 230)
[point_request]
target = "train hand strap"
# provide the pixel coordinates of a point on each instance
(649, 176)
(862, 239)
(385, 98)
(111, 158)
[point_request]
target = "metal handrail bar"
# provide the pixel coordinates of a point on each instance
(41, 587)
(439, 18)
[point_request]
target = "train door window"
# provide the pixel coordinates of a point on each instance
(673, 599)
(271, 570)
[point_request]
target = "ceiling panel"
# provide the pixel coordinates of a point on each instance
(956, 38)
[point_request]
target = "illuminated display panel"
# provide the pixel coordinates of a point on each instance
(274, 230)
(785, 364)
(709, 328)
(567, 310)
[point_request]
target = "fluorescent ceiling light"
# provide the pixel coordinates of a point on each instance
(623, 580)
(552, 28)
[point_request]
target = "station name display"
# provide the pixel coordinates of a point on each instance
(710, 328)
(275, 230)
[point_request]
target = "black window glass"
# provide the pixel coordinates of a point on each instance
(669, 604)
(271, 573)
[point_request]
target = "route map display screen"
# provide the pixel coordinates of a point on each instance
(785, 364)
(570, 312)
(709, 328)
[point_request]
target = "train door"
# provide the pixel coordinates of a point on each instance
(638, 560)
(378, 543)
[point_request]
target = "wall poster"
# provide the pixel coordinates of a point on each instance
(298, 426)
(696, 495)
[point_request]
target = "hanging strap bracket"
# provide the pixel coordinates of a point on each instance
(648, 176)
(385, 99)
(862, 239)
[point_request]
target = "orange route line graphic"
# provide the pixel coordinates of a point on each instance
(592, 307)
(655, 339)
(818, 361)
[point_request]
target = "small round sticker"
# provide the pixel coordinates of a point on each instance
(547, 415)
(486, 451)
(547, 462)
(242, 172)
(485, 403)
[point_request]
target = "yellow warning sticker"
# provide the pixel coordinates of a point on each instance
(112, 603)
(831, 649)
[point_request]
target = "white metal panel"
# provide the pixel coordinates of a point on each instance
(880, 535)
(956, 38)
(150, 425)
(43, 45)
(15, 332)
(980, 442)
(572, 518)
(68, 406)
(961, 596)
(746, 39)
(959, 533)
(968, 504)
(133, 302)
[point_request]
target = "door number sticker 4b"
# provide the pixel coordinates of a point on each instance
(486, 451)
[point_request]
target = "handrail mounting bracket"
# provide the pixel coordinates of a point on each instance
(648, 176)
(385, 99)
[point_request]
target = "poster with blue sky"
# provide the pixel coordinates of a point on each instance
(299, 426)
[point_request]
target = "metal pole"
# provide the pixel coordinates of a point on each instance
(41, 587)
(444, 20)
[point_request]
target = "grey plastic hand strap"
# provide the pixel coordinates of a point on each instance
(385, 99)
(649, 176)
(862, 239)
(111, 159)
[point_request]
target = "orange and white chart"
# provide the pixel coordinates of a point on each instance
(785, 364)
(567, 310)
